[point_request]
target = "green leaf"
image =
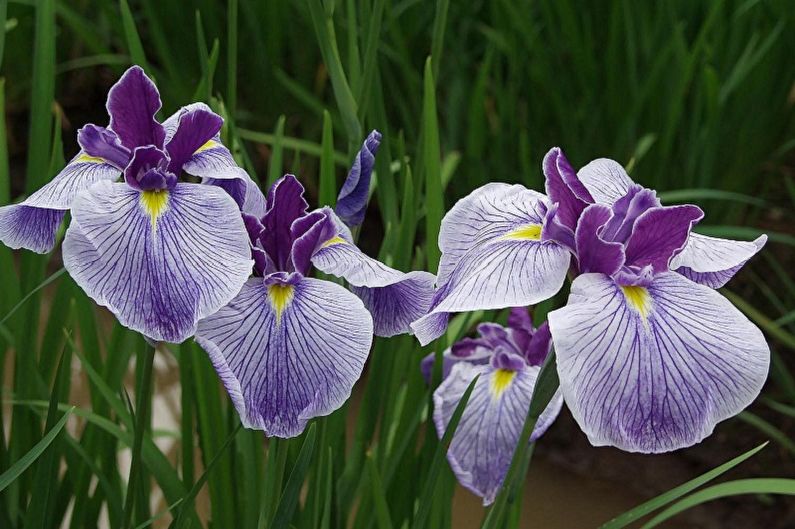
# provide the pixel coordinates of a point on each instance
(437, 40)
(434, 199)
(647, 507)
(768, 429)
(42, 96)
(732, 488)
(30, 294)
(276, 165)
(327, 195)
(231, 57)
(8, 477)
(292, 491)
(382, 517)
(131, 37)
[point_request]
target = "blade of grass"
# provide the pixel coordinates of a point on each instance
(434, 199)
(276, 165)
(327, 194)
(132, 39)
(42, 96)
(231, 57)
(768, 429)
(289, 497)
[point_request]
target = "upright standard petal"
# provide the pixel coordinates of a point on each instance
(713, 262)
(606, 180)
(489, 430)
(195, 128)
(564, 188)
(493, 256)
(288, 352)
(394, 298)
(132, 104)
(284, 205)
(594, 254)
(160, 261)
(32, 223)
(654, 369)
(659, 234)
(352, 200)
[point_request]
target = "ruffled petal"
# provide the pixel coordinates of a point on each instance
(285, 204)
(196, 127)
(605, 179)
(159, 262)
(659, 234)
(564, 188)
(486, 437)
(132, 104)
(394, 298)
(594, 254)
(713, 262)
(654, 369)
(211, 159)
(288, 353)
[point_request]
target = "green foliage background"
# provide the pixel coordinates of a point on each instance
(696, 98)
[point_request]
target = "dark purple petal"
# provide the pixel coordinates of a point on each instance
(519, 318)
(132, 104)
(352, 200)
(553, 230)
(594, 254)
(507, 360)
(285, 203)
(626, 211)
(308, 234)
(147, 170)
(540, 345)
(100, 142)
(394, 306)
(470, 350)
(659, 234)
(563, 188)
(195, 128)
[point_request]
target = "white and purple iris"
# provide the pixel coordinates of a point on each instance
(159, 253)
(650, 358)
(290, 347)
(508, 360)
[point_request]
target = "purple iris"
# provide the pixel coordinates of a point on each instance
(352, 200)
(508, 360)
(159, 253)
(289, 347)
(649, 356)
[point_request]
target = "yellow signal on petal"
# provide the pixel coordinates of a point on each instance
(154, 204)
(334, 240)
(528, 232)
(207, 146)
(501, 380)
(85, 158)
(280, 297)
(638, 298)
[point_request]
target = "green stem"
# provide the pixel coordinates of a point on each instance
(142, 409)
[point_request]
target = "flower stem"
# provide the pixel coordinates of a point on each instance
(142, 410)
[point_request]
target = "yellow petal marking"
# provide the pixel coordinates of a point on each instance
(529, 232)
(154, 204)
(280, 297)
(334, 240)
(639, 299)
(85, 158)
(208, 145)
(501, 380)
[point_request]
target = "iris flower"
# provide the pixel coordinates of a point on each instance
(289, 347)
(649, 356)
(352, 200)
(159, 253)
(508, 360)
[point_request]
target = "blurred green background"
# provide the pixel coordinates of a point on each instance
(697, 99)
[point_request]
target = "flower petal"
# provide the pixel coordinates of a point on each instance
(394, 298)
(132, 104)
(564, 188)
(711, 261)
(31, 228)
(195, 128)
(653, 370)
(79, 174)
(594, 254)
(285, 203)
(498, 273)
(352, 200)
(486, 437)
(159, 264)
(605, 179)
(659, 234)
(284, 363)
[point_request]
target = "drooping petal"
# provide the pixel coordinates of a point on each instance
(30, 228)
(103, 143)
(308, 234)
(487, 435)
(659, 234)
(245, 191)
(158, 261)
(498, 273)
(594, 254)
(394, 298)
(132, 104)
(352, 200)
(288, 353)
(713, 262)
(563, 188)
(33, 223)
(285, 203)
(605, 179)
(195, 128)
(654, 369)
(211, 159)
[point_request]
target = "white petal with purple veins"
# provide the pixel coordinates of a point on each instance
(289, 355)
(712, 261)
(486, 437)
(653, 370)
(158, 262)
(605, 179)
